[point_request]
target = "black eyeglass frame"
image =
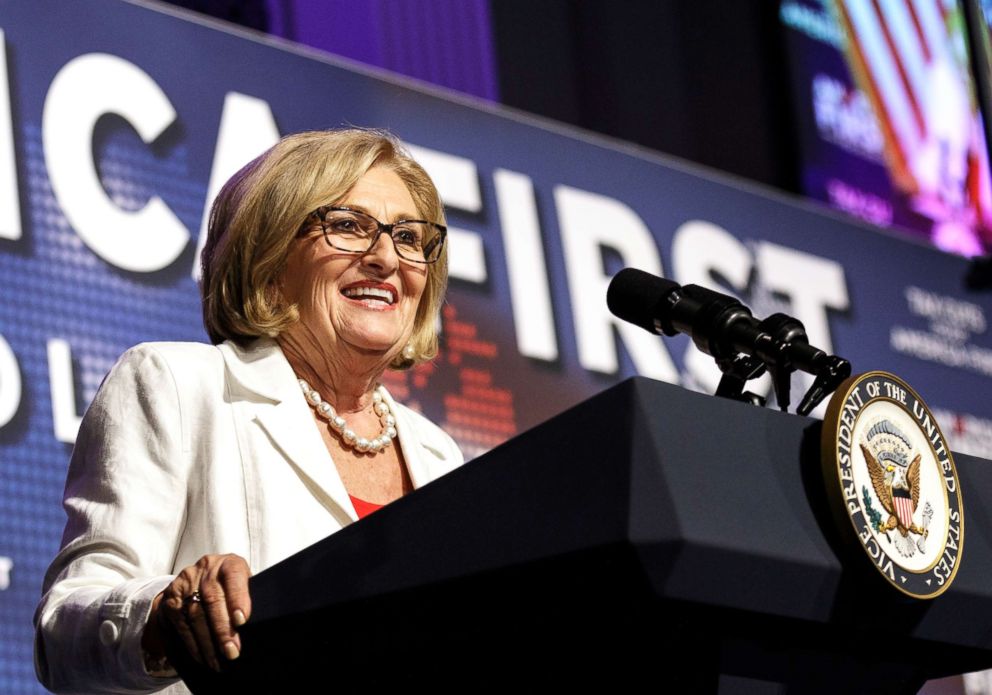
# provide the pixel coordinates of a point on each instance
(320, 214)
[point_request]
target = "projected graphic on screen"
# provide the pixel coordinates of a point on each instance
(890, 123)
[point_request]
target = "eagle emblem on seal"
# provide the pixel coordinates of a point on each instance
(896, 480)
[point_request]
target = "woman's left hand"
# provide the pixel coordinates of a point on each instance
(203, 605)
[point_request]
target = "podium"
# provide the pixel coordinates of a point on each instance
(648, 535)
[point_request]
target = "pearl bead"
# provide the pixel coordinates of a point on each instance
(349, 435)
(391, 432)
(362, 444)
(337, 422)
(325, 409)
(386, 441)
(313, 397)
(381, 408)
(390, 421)
(376, 396)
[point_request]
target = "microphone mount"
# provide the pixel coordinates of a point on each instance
(743, 347)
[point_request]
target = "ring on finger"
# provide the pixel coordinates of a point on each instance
(188, 601)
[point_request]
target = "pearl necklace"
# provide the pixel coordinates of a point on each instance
(348, 437)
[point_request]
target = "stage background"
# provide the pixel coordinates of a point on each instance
(119, 120)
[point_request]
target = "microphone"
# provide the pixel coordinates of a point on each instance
(721, 326)
(718, 324)
(979, 275)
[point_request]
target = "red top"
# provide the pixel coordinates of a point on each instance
(363, 508)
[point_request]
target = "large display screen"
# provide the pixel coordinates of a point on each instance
(889, 122)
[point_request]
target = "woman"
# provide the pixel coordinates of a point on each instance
(196, 465)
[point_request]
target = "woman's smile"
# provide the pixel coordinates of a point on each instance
(378, 296)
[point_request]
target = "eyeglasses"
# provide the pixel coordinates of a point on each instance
(417, 241)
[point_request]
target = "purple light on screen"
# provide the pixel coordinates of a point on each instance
(445, 42)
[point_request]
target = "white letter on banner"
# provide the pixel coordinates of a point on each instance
(85, 89)
(247, 129)
(457, 181)
(10, 205)
(813, 283)
(588, 222)
(10, 383)
(65, 421)
(699, 249)
(525, 265)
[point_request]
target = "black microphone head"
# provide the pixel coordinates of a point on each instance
(639, 297)
(979, 276)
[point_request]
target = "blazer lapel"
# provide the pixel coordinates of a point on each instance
(427, 458)
(261, 378)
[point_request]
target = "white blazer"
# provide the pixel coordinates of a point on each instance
(189, 449)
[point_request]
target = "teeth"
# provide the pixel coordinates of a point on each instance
(376, 292)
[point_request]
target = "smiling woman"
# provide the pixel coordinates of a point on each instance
(260, 204)
(197, 465)
(353, 304)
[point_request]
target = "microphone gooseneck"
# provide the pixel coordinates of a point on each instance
(721, 326)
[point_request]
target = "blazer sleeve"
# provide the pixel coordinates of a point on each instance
(125, 499)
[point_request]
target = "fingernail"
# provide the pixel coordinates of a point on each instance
(239, 618)
(231, 651)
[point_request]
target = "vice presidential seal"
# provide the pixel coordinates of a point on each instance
(892, 478)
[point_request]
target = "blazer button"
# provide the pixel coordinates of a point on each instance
(109, 633)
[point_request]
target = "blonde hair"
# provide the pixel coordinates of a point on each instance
(259, 211)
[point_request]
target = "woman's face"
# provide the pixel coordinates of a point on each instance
(340, 295)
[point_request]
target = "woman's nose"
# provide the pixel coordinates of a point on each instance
(382, 253)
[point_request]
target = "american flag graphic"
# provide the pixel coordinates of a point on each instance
(904, 507)
(909, 57)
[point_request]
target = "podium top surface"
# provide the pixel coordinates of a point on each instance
(718, 503)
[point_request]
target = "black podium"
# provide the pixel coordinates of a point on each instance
(647, 536)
